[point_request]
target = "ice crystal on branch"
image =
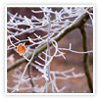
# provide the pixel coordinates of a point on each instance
(51, 25)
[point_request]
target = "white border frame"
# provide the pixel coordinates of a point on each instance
(49, 6)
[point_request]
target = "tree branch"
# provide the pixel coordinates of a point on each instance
(85, 58)
(76, 24)
(30, 76)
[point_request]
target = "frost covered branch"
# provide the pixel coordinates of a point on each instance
(54, 26)
(77, 23)
(53, 78)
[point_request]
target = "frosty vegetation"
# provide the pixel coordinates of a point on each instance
(54, 23)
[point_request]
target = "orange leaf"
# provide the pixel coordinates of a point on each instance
(88, 8)
(21, 49)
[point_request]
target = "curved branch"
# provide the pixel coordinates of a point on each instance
(85, 58)
(75, 24)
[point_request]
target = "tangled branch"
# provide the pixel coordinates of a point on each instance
(56, 28)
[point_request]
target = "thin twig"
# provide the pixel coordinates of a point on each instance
(79, 22)
(23, 73)
(30, 76)
(48, 47)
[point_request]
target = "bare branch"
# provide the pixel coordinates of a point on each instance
(79, 21)
(85, 58)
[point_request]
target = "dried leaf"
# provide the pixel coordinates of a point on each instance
(21, 49)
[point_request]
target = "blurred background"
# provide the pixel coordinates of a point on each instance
(73, 60)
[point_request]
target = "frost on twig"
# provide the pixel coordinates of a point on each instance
(54, 75)
(52, 24)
